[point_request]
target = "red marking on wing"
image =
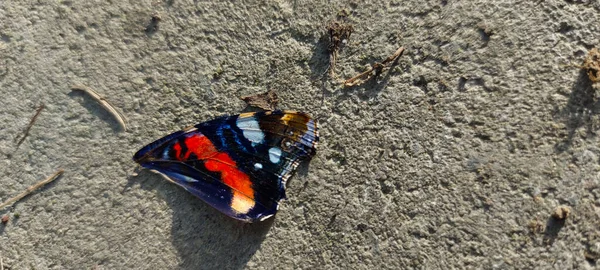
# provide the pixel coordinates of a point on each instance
(199, 145)
(230, 175)
(177, 148)
(216, 161)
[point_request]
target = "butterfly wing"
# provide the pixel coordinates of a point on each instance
(237, 164)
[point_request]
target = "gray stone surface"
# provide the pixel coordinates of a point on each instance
(456, 158)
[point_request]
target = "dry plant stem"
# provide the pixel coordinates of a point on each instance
(31, 189)
(107, 106)
(393, 57)
(362, 77)
(332, 63)
(31, 122)
(359, 78)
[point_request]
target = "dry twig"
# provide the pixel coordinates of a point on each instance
(31, 122)
(31, 189)
(374, 70)
(118, 116)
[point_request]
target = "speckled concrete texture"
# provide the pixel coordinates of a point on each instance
(455, 158)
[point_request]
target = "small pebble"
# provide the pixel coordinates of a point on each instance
(561, 212)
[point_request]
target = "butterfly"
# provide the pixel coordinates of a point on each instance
(238, 164)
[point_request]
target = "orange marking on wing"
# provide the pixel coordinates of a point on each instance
(244, 115)
(230, 175)
(241, 203)
(243, 194)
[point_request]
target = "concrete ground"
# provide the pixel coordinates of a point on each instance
(455, 158)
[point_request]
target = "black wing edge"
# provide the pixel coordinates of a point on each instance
(142, 152)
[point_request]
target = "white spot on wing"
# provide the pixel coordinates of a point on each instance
(274, 154)
(265, 217)
(188, 179)
(258, 166)
(251, 129)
